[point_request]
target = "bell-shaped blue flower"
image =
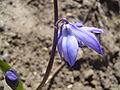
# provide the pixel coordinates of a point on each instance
(11, 78)
(71, 37)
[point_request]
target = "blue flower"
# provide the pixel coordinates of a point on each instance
(71, 37)
(11, 78)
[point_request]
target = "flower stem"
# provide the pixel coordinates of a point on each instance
(50, 64)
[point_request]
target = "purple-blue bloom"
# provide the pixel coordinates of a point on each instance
(11, 78)
(71, 37)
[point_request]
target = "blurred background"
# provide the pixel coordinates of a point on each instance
(26, 31)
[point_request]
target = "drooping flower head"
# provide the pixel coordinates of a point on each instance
(11, 78)
(71, 37)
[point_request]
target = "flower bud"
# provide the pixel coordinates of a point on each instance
(11, 78)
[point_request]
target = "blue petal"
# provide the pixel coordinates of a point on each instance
(87, 38)
(60, 37)
(11, 78)
(13, 71)
(62, 27)
(79, 24)
(59, 46)
(92, 29)
(70, 49)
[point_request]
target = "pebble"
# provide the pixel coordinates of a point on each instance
(35, 73)
(6, 57)
(10, 34)
(69, 86)
(95, 76)
(76, 75)
(69, 15)
(88, 73)
(45, 49)
(80, 54)
(94, 82)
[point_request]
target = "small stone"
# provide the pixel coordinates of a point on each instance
(80, 54)
(43, 70)
(94, 82)
(6, 44)
(45, 49)
(88, 73)
(69, 15)
(69, 86)
(76, 85)
(76, 75)
(94, 76)
(35, 73)
(79, 6)
(10, 34)
(6, 57)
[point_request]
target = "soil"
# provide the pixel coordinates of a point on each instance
(26, 31)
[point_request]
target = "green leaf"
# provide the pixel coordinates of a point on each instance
(20, 85)
(5, 67)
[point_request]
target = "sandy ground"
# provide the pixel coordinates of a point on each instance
(26, 31)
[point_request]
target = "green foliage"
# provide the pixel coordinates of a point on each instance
(5, 67)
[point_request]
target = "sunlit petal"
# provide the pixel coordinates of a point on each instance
(92, 29)
(88, 39)
(59, 46)
(79, 24)
(70, 49)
